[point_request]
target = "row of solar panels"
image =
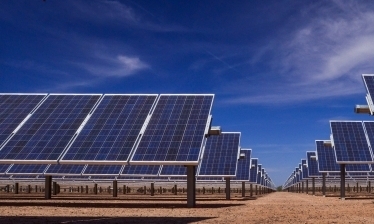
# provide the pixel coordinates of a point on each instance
(350, 143)
(111, 128)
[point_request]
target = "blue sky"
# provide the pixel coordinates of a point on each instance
(280, 69)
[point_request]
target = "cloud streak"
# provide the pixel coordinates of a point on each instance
(322, 57)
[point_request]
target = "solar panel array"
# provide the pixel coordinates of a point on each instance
(44, 136)
(312, 165)
(220, 155)
(175, 132)
(369, 84)
(112, 130)
(326, 158)
(350, 142)
(253, 171)
(244, 165)
(14, 109)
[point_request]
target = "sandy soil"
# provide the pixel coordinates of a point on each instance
(279, 207)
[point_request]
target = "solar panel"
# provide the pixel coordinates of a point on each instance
(64, 169)
(369, 128)
(259, 174)
(141, 170)
(44, 136)
(173, 170)
(350, 143)
(253, 171)
(220, 156)
(111, 132)
(27, 169)
(326, 158)
(102, 170)
(369, 84)
(312, 164)
(175, 132)
(14, 108)
(304, 169)
(244, 165)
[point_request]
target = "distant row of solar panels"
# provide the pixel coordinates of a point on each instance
(116, 128)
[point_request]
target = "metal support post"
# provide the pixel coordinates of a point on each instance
(191, 187)
(342, 181)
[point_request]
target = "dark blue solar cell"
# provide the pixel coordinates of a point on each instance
(208, 179)
(47, 132)
(173, 170)
(111, 132)
(350, 142)
(304, 169)
(358, 174)
(142, 170)
(242, 172)
(175, 132)
(259, 174)
(65, 169)
(312, 164)
(4, 168)
(253, 171)
(369, 83)
(13, 110)
(369, 128)
(21, 169)
(220, 155)
(102, 169)
(326, 158)
(352, 168)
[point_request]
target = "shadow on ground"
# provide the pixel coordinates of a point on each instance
(111, 205)
(41, 219)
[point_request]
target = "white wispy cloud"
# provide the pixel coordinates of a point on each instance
(323, 56)
(119, 66)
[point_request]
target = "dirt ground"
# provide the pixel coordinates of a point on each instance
(279, 207)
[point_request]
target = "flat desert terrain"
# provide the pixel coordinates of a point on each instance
(278, 207)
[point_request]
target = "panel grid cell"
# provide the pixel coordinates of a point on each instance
(175, 132)
(173, 170)
(4, 168)
(22, 169)
(65, 169)
(141, 170)
(253, 171)
(242, 172)
(112, 130)
(220, 155)
(102, 170)
(14, 109)
(47, 132)
(350, 142)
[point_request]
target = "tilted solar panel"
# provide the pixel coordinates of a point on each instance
(175, 132)
(64, 169)
(259, 174)
(27, 169)
(141, 170)
(97, 170)
(312, 164)
(173, 170)
(326, 158)
(369, 84)
(244, 164)
(220, 156)
(369, 128)
(44, 136)
(304, 169)
(14, 108)
(350, 142)
(111, 132)
(253, 171)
